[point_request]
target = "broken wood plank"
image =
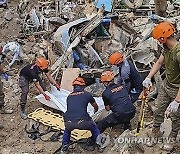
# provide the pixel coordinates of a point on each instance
(69, 74)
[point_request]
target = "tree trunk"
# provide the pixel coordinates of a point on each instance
(160, 7)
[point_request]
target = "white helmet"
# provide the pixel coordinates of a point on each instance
(12, 47)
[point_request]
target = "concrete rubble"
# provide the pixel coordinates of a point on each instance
(77, 37)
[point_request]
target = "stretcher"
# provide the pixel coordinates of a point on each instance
(56, 121)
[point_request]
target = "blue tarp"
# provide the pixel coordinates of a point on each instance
(107, 4)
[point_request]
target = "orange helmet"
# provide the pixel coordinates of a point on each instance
(107, 76)
(79, 81)
(162, 31)
(116, 58)
(42, 63)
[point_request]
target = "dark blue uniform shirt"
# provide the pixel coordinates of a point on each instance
(77, 103)
(135, 78)
(117, 98)
(130, 76)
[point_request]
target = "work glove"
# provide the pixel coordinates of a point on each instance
(5, 76)
(147, 83)
(47, 97)
(173, 106)
(57, 86)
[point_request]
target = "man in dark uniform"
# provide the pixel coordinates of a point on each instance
(117, 100)
(76, 116)
(30, 73)
(128, 75)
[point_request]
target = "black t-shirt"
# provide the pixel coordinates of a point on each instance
(77, 103)
(116, 96)
(31, 72)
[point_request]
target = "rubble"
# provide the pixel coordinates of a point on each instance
(134, 5)
(77, 38)
(8, 16)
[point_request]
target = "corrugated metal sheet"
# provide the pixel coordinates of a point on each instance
(62, 33)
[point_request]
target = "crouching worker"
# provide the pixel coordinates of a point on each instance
(77, 117)
(117, 100)
(30, 73)
(128, 75)
(15, 49)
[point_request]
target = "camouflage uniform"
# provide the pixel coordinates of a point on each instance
(166, 95)
(169, 89)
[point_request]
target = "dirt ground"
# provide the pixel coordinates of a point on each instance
(13, 138)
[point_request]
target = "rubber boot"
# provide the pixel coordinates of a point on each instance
(102, 142)
(64, 149)
(22, 112)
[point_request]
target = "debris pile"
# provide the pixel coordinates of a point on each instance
(77, 38)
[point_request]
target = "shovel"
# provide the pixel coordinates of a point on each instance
(142, 111)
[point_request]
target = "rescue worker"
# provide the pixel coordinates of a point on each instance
(117, 100)
(16, 51)
(128, 75)
(3, 110)
(76, 116)
(169, 92)
(30, 73)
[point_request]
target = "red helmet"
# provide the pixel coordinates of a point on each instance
(79, 81)
(107, 76)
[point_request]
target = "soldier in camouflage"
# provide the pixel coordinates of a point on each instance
(169, 93)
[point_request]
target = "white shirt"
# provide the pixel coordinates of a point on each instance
(15, 52)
